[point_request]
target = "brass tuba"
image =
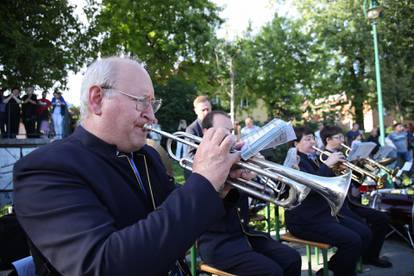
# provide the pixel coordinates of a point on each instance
(333, 189)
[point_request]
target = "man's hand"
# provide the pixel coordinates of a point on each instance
(334, 158)
(213, 158)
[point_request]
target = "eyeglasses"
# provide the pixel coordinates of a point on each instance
(339, 137)
(142, 103)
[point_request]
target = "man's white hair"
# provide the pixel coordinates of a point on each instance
(103, 73)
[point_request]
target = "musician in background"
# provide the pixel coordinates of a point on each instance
(312, 219)
(202, 107)
(377, 221)
(231, 245)
(100, 202)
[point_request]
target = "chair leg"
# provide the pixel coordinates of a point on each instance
(268, 218)
(277, 223)
(317, 255)
(360, 267)
(309, 256)
(193, 261)
(325, 262)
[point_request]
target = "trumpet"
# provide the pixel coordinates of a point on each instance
(354, 168)
(373, 163)
(333, 189)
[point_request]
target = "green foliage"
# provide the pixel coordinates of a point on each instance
(269, 66)
(178, 173)
(39, 42)
(343, 47)
(340, 36)
(177, 96)
(159, 32)
(396, 34)
(4, 210)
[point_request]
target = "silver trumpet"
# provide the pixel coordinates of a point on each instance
(274, 177)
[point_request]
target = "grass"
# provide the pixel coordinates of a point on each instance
(178, 173)
(5, 210)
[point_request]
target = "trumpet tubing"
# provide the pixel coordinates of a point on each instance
(334, 189)
(371, 167)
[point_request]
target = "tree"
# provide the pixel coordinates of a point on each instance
(343, 42)
(177, 96)
(342, 32)
(161, 33)
(396, 32)
(270, 66)
(40, 41)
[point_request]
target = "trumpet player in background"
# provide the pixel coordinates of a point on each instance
(312, 220)
(231, 245)
(333, 138)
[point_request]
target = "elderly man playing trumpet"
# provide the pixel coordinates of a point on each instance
(100, 202)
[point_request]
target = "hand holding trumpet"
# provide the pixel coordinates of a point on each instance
(334, 158)
(214, 159)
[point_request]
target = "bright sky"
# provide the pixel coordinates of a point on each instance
(237, 14)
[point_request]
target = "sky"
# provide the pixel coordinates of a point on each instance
(237, 15)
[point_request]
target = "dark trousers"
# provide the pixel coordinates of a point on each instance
(351, 237)
(30, 126)
(267, 258)
(378, 223)
(13, 127)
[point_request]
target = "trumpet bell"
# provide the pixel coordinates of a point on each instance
(333, 189)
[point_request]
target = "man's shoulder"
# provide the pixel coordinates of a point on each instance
(194, 128)
(192, 125)
(57, 152)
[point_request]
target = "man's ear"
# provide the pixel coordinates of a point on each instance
(95, 98)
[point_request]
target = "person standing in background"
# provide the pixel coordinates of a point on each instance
(180, 150)
(43, 115)
(399, 138)
(352, 134)
(249, 128)
(318, 139)
(58, 113)
(2, 114)
(13, 112)
(29, 107)
(202, 107)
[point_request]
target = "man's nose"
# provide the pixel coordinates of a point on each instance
(149, 115)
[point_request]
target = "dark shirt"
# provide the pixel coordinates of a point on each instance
(351, 135)
(13, 109)
(79, 201)
(29, 108)
(314, 208)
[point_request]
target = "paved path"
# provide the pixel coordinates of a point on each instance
(395, 249)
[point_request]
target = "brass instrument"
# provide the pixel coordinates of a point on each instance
(333, 189)
(373, 164)
(354, 168)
